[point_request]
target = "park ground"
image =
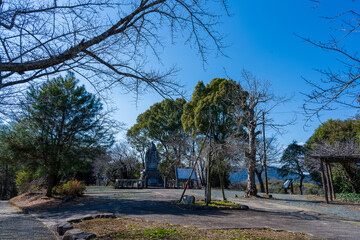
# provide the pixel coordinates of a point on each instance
(293, 213)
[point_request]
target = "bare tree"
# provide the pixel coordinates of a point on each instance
(106, 41)
(99, 167)
(273, 151)
(340, 86)
(123, 163)
(248, 114)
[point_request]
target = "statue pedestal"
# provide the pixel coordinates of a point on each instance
(151, 172)
(153, 177)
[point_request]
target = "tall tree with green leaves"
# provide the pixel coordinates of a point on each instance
(161, 123)
(61, 127)
(207, 114)
(292, 162)
(338, 137)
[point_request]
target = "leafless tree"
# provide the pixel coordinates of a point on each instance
(273, 152)
(338, 86)
(105, 41)
(248, 113)
(99, 167)
(123, 163)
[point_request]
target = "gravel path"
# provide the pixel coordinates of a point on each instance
(16, 225)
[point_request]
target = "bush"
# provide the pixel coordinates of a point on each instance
(351, 197)
(71, 188)
(241, 186)
(308, 188)
(276, 187)
(28, 181)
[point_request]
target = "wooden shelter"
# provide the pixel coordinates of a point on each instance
(326, 173)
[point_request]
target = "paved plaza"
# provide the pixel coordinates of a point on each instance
(158, 205)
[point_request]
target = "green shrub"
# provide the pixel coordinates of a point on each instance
(308, 188)
(241, 186)
(351, 197)
(28, 181)
(276, 187)
(71, 188)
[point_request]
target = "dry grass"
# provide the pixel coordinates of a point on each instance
(129, 228)
(36, 201)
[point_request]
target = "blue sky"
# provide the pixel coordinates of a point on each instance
(262, 38)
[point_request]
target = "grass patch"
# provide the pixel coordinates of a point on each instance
(218, 204)
(349, 197)
(129, 228)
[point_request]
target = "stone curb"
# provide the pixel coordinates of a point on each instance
(68, 232)
(66, 228)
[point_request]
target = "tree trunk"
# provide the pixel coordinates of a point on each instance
(221, 176)
(251, 190)
(261, 182)
(251, 186)
(51, 181)
(301, 184)
(208, 185)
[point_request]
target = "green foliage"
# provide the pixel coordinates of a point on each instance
(350, 197)
(161, 123)
(7, 182)
(28, 180)
(70, 188)
(308, 188)
(158, 233)
(291, 161)
(333, 131)
(208, 114)
(59, 130)
(341, 183)
(211, 104)
(23, 179)
(338, 131)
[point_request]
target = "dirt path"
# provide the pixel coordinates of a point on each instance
(16, 225)
(157, 205)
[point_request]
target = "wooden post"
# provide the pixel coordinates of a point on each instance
(332, 182)
(323, 180)
(265, 169)
(208, 187)
(328, 180)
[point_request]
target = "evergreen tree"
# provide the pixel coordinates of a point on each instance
(60, 129)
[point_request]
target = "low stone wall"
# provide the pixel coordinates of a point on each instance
(129, 183)
(67, 230)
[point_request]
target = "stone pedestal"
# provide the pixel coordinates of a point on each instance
(151, 173)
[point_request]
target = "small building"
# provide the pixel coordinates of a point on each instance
(182, 175)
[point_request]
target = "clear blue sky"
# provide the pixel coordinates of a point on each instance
(263, 41)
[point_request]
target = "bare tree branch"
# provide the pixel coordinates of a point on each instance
(341, 86)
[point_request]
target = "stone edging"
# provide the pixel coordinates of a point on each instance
(67, 230)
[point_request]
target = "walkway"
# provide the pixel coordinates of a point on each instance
(16, 225)
(157, 205)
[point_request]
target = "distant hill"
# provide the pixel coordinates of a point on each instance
(241, 176)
